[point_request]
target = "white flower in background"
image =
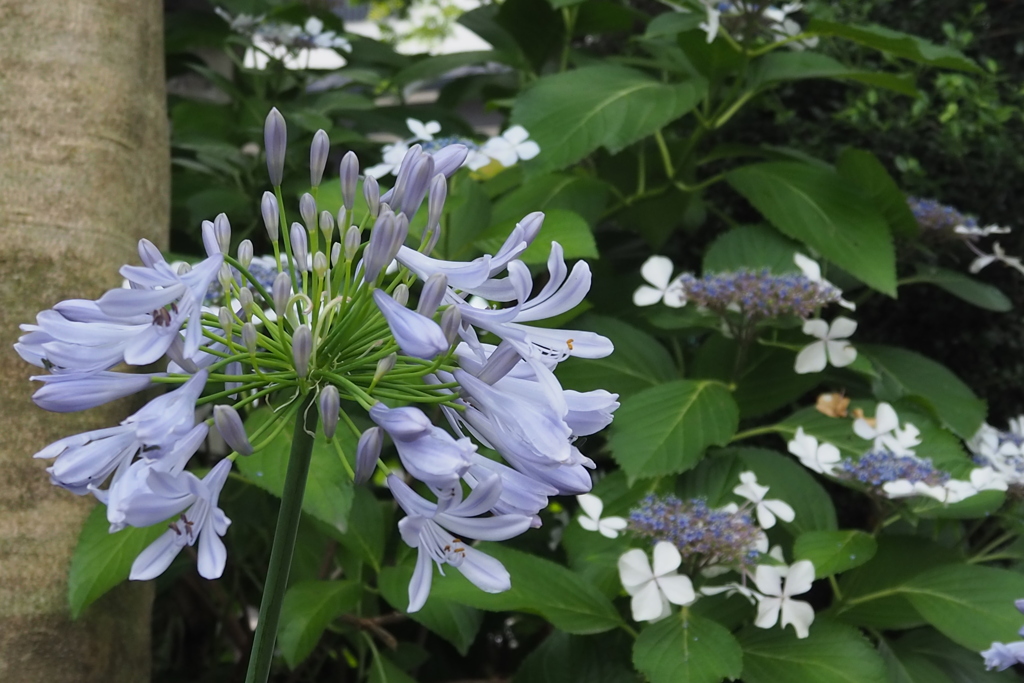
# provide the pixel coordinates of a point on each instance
(476, 160)
(711, 25)
(511, 146)
(881, 427)
(767, 510)
(657, 271)
(979, 231)
(997, 255)
(592, 507)
(423, 132)
(832, 346)
(653, 589)
(821, 458)
(777, 596)
(812, 271)
(318, 37)
(391, 159)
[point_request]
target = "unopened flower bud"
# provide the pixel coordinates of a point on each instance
(448, 160)
(307, 209)
(245, 253)
(353, 238)
(225, 277)
(271, 216)
(335, 253)
(302, 348)
(343, 219)
(326, 224)
(229, 424)
(416, 187)
(398, 238)
(281, 291)
(500, 363)
(451, 321)
(275, 141)
(371, 193)
(222, 228)
(330, 407)
(531, 225)
(384, 366)
(300, 247)
(349, 178)
(318, 152)
(320, 263)
(367, 453)
(184, 268)
(249, 337)
(210, 242)
(401, 294)
(430, 238)
(432, 294)
(375, 256)
(226, 321)
(246, 300)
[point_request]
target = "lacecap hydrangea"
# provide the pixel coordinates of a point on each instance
(332, 331)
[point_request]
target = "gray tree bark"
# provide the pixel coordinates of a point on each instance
(84, 173)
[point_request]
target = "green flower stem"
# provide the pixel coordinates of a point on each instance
(292, 266)
(263, 392)
(284, 541)
(248, 276)
(341, 456)
(351, 424)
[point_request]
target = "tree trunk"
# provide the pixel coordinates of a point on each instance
(84, 173)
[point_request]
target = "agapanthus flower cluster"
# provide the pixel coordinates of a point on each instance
(506, 149)
(891, 468)
(1002, 450)
(767, 21)
(1001, 656)
(334, 332)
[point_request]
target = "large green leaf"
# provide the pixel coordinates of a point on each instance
(831, 653)
(638, 362)
(583, 195)
(309, 608)
(905, 373)
(436, 66)
(821, 209)
(565, 227)
(900, 44)
(365, 535)
(865, 170)
(667, 428)
(751, 246)
(572, 114)
(924, 656)
(456, 623)
(329, 486)
(467, 213)
(970, 604)
(563, 658)
(538, 586)
(793, 483)
(673, 23)
(686, 648)
(776, 67)
(832, 552)
(102, 560)
(963, 287)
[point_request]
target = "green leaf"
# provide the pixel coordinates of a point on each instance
(328, 488)
(673, 23)
(539, 586)
(833, 552)
(751, 246)
(572, 114)
(791, 482)
(565, 227)
(667, 428)
(964, 287)
(686, 648)
(924, 656)
(102, 560)
(383, 670)
(905, 373)
(432, 68)
(582, 195)
(365, 535)
(819, 208)
(776, 67)
(900, 44)
(638, 362)
(831, 653)
(458, 624)
(467, 213)
(309, 608)
(865, 170)
(970, 604)
(562, 658)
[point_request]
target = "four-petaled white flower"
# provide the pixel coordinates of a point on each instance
(821, 458)
(657, 271)
(653, 590)
(812, 271)
(777, 596)
(391, 159)
(592, 507)
(511, 146)
(767, 510)
(423, 131)
(882, 425)
(831, 346)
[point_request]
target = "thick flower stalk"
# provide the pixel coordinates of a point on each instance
(343, 318)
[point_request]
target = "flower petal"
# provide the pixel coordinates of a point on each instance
(799, 578)
(657, 270)
(648, 604)
(156, 558)
(811, 358)
(841, 353)
(634, 570)
(678, 589)
(767, 611)
(768, 580)
(842, 328)
(646, 296)
(666, 558)
(798, 613)
(419, 585)
(591, 504)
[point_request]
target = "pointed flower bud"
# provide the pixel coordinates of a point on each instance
(349, 178)
(353, 238)
(438, 194)
(371, 193)
(401, 294)
(222, 228)
(432, 295)
(320, 263)
(318, 152)
(326, 224)
(300, 247)
(246, 300)
(330, 407)
(184, 268)
(249, 337)
(245, 253)
(281, 291)
(225, 277)
(375, 256)
(451, 321)
(417, 185)
(335, 253)
(226, 322)
(149, 254)
(384, 366)
(416, 335)
(271, 216)
(307, 209)
(229, 424)
(275, 141)
(302, 348)
(210, 242)
(449, 159)
(367, 453)
(500, 363)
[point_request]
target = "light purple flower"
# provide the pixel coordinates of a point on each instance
(1001, 656)
(416, 335)
(427, 452)
(72, 391)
